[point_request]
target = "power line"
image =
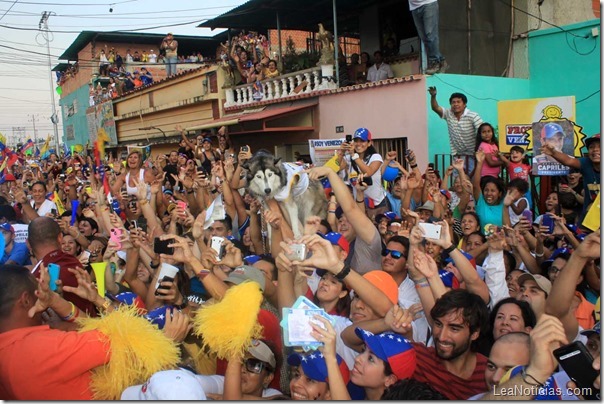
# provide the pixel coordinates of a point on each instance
(11, 6)
(124, 30)
(138, 13)
(71, 4)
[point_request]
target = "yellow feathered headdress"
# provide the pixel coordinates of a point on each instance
(228, 327)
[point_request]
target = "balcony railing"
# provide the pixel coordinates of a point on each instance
(279, 88)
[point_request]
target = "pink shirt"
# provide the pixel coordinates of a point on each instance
(488, 148)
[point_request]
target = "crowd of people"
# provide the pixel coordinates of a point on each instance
(431, 289)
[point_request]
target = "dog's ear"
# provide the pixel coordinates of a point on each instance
(245, 165)
(277, 160)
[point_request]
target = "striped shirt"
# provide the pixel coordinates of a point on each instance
(462, 131)
(431, 369)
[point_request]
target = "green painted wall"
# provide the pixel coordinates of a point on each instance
(562, 64)
(79, 100)
(483, 93)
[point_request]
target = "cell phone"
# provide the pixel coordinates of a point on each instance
(133, 224)
(141, 223)
(298, 252)
(161, 246)
(116, 235)
(348, 138)
(431, 230)
(367, 181)
(54, 271)
(200, 169)
(216, 245)
(528, 215)
(576, 361)
(245, 149)
(86, 254)
(431, 166)
(547, 220)
(160, 287)
(182, 205)
(53, 212)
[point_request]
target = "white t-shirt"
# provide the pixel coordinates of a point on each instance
(214, 384)
(347, 354)
(21, 232)
(45, 208)
(413, 4)
(376, 190)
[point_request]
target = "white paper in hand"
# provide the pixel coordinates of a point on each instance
(215, 212)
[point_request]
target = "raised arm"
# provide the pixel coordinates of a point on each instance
(563, 158)
(476, 177)
(433, 103)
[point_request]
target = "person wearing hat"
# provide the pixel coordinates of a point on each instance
(175, 384)
(588, 166)
(362, 235)
(313, 376)
(552, 137)
(363, 158)
(534, 289)
(14, 253)
(170, 46)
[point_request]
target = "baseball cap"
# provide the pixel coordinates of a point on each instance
(388, 215)
(158, 316)
(251, 259)
(384, 282)
(363, 134)
(594, 330)
(7, 227)
(338, 239)
(314, 366)
(588, 141)
(550, 130)
(563, 253)
(472, 260)
(246, 273)
(177, 384)
(129, 299)
(449, 279)
(262, 352)
(392, 348)
(206, 139)
(542, 282)
(428, 205)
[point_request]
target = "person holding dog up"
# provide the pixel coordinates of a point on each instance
(362, 158)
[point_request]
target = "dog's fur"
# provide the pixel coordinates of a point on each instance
(266, 177)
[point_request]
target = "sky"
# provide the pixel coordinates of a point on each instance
(25, 86)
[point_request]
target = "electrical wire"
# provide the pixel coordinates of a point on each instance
(124, 30)
(71, 4)
(588, 97)
(464, 91)
(10, 8)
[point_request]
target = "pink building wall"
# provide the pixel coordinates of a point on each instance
(388, 111)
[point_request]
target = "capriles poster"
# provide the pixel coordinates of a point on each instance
(516, 119)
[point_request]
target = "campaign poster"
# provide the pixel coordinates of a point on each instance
(557, 135)
(322, 150)
(516, 118)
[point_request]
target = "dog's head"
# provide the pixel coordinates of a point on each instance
(265, 175)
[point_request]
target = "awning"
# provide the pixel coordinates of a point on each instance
(250, 116)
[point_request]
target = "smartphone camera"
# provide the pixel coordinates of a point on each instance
(245, 149)
(298, 252)
(348, 138)
(216, 244)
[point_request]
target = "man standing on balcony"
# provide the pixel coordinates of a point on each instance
(425, 17)
(462, 123)
(170, 46)
(379, 70)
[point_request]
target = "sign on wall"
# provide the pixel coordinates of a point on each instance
(322, 150)
(517, 117)
(98, 117)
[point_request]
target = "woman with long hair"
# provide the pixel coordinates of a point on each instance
(133, 173)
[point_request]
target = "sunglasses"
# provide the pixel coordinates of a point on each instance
(254, 365)
(394, 254)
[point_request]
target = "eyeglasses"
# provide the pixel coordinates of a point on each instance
(254, 365)
(554, 269)
(394, 254)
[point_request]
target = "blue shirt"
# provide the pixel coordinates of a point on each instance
(591, 183)
(19, 254)
(489, 214)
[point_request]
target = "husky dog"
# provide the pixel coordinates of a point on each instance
(298, 197)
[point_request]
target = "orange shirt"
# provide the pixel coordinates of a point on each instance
(584, 313)
(40, 363)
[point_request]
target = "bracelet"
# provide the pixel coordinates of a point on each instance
(413, 165)
(72, 314)
(363, 201)
(421, 285)
(343, 273)
(153, 266)
(421, 280)
(143, 202)
(106, 304)
(539, 255)
(526, 375)
(331, 211)
(449, 250)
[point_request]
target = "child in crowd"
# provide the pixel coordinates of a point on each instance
(487, 142)
(516, 165)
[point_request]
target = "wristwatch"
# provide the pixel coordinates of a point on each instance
(355, 156)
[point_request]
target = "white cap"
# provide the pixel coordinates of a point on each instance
(121, 255)
(179, 384)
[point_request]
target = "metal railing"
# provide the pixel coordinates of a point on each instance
(279, 88)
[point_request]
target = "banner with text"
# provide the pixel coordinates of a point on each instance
(322, 150)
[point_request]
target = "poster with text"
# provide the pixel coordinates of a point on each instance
(322, 150)
(516, 118)
(556, 135)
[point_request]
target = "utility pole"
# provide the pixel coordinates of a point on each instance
(33, 121)
(43, 27)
